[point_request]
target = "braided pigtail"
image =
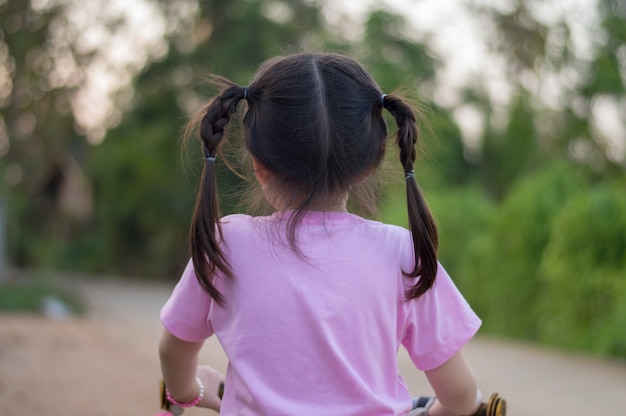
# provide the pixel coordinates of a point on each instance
(206, 230)
(421, 222)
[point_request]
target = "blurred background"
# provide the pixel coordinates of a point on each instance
(525, 132)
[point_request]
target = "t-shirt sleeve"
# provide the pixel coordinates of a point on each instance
(186, 313)
(438, 324)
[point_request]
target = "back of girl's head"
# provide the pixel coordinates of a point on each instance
(314, 122)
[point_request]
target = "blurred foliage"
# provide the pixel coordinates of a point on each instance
(535, 54)
(37, 132)
(583, 267)
(508, 154)
(505, 276)
(32, 295)
(394, 59)
(531, 219)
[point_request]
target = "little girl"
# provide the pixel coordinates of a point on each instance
(312, 303)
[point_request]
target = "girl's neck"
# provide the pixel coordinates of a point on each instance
(338, 204)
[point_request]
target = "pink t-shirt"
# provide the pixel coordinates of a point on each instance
(318, 334)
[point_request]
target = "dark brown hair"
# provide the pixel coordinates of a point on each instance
(315, 122)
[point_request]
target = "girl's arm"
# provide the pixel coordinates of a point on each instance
(179, 365)
(455, 387)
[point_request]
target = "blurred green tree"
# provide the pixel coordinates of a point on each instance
(51, 53)
(557, 88)
(39, 74)
(395, 59)
(510, 153)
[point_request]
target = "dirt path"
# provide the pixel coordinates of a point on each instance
(106, 364)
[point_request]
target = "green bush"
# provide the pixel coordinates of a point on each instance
(503, 267)
(584, 267)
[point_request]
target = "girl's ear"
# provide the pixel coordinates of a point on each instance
(261, 172)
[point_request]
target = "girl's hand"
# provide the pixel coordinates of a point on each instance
(211, 378)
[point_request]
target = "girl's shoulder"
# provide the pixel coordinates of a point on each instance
(394, 240)
(236, 224)
(394, 229)
(236, 219)
(243, 225)
(389, 230)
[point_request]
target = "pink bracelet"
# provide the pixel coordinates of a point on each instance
(191, 403)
